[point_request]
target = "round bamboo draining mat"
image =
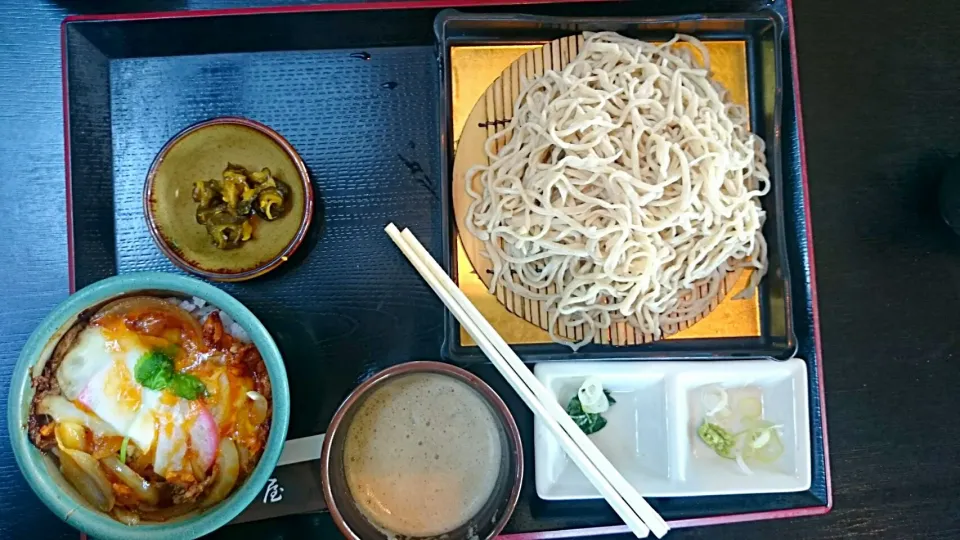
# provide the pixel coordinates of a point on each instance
(489, 115)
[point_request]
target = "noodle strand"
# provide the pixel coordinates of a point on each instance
(624, 180)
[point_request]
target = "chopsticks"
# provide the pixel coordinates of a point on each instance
(638, 515)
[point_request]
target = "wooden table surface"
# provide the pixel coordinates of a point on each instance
(880, 86)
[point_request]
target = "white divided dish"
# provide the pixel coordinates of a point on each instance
(651, 432)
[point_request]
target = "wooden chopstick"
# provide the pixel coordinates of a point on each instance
(619, 494)
(528, 387)
(511, 362)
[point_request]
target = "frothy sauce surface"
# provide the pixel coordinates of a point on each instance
(421, 456)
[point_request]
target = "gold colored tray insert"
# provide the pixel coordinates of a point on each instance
(473, 70)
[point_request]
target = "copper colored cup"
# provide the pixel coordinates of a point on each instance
(495, 513)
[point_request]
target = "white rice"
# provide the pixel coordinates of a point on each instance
(234, 328)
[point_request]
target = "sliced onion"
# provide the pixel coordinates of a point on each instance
(85, 475)
(592, 398)
(759, 423)
(198, 471)
(761, 439)
(765, 445)
(772, 450)
(245, 456)
(743, 464)
(167, 513)
(714, 400)
(258, 413)
(71, 435)
(145, 491)
(62, 410)
(130, 304)
(220, 401)
(227, 470)
(125, 516)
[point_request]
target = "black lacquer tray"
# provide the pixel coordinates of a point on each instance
(356, 88)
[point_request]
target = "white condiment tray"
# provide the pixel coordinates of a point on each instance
(651, 433)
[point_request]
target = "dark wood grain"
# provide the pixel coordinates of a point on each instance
(880, 87)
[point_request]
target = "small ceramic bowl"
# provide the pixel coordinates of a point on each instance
(42, 473)
(201, 152)
(488, 522)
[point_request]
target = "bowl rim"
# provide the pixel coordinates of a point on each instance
(421, 366)
(280, 258)
(30, 459)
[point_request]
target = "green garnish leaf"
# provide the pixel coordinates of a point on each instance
(171, 350)
(589, 423)
(123, 449)
(154, 370)
(574, 407)
(187, 386)
(609, 397)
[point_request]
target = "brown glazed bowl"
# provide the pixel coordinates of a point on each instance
(201, 152)
(492, 517)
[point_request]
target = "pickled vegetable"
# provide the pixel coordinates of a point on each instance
(270, 204)
(231, 191)
(205, 191)
(229, 206)
(225, 235)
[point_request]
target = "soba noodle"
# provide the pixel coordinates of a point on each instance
(623, 182)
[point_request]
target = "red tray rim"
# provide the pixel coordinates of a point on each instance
(426, 4)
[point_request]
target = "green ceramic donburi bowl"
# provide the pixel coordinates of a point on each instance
(43, 475)
(201, 152)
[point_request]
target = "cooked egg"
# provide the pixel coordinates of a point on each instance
(102, 369)
(97, 375)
